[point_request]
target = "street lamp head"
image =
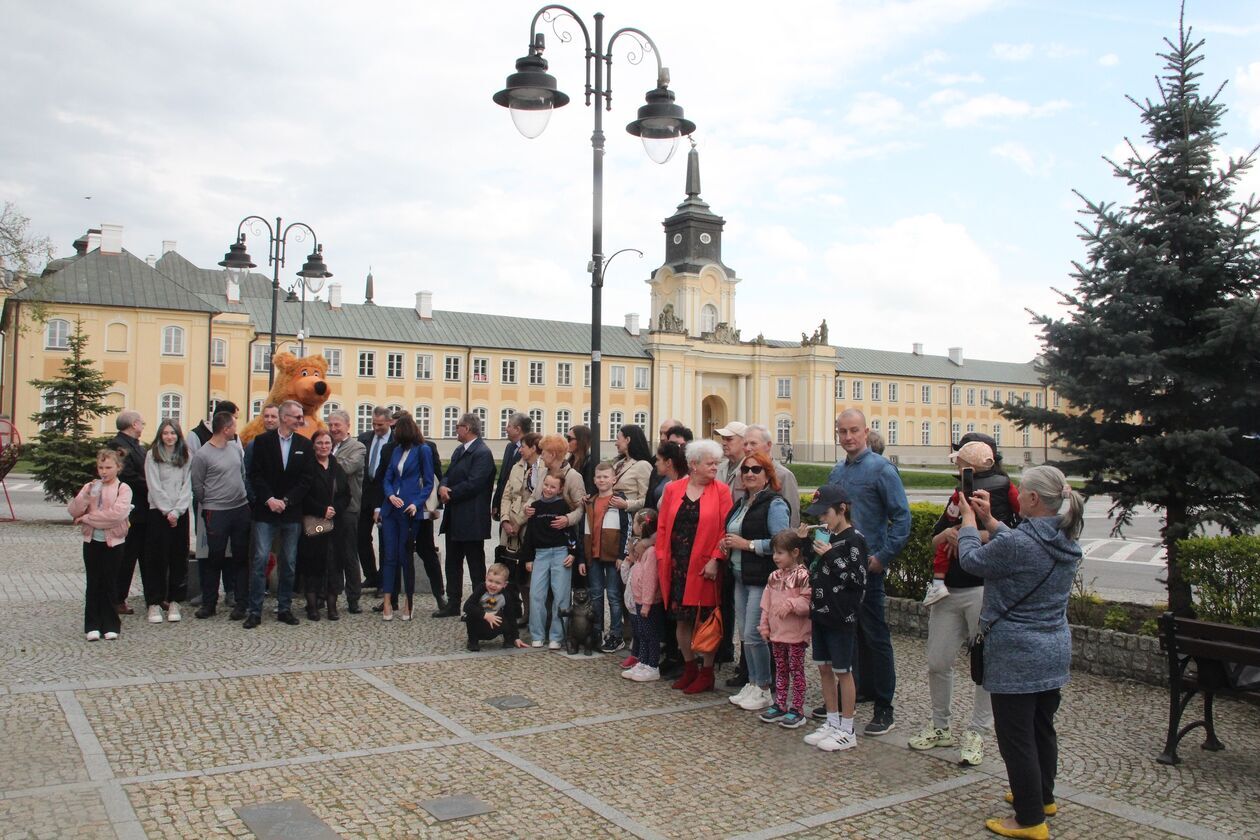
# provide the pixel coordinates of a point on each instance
(314, 272)
(237, 260)
(661, 122)
(531, 94)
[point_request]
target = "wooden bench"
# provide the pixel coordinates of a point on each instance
(1210, 646)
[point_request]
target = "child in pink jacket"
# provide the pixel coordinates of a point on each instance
(647, 614)
(785, 624)
(101, 509)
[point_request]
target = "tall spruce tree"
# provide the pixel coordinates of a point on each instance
(66, 455)
(1159, 357)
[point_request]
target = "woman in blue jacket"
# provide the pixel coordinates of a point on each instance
(408, 481)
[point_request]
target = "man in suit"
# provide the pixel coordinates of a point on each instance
(466, 492)
(518, 424)
(130, 425)
(279, 475)
(351, 456)
(374, 464)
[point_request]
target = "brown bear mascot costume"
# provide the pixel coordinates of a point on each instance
(296, 379)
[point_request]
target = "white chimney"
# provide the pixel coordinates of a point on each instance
(233, 288)
(94, 240)
(151, 260)
(111, 239)
(918, 349)
(424, 305)
(334, 295)
(632, 323)
(168, 245)
(956, 355)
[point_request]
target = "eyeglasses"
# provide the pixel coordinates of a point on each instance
(755, 469)
(293, 416)
(570, 438)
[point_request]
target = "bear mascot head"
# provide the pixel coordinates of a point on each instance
(296, 379)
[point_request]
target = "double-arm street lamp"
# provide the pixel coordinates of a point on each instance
(237, 262)
(531, 95)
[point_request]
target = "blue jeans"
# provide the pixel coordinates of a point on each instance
(603, 577)
(549, 574)
(286, 563)
(747, 620)
(874, 671)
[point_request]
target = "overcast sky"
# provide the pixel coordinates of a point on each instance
(903, 169)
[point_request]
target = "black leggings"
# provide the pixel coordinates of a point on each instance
(1024, 725)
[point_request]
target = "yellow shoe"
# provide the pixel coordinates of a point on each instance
(1050, 809)
(1040, 831)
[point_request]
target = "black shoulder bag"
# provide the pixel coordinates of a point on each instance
(975, 647)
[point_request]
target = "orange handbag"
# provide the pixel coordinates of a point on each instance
(707, 635)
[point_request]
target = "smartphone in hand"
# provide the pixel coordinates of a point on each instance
(968, 482)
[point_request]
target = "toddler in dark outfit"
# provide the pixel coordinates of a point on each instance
(492, 610)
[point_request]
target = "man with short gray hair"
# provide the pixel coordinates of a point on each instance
(350, 455)
(465, 491)
(757, 439)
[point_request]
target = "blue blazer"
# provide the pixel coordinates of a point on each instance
(414, 484)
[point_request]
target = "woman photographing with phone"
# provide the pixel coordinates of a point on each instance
(1027, 653)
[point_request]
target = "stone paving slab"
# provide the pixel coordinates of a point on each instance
(38, 747)
(373, 797)
(152, 728)
(51, 816)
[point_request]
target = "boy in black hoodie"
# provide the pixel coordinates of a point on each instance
(492, 609)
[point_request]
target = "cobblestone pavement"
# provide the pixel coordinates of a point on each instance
(167, 732)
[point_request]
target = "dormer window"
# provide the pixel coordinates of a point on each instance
(708, 318)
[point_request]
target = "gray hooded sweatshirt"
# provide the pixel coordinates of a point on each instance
(1030, 649)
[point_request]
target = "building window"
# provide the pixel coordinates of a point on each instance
(57, 335)
(956, 432)
(971, 396)
(926, 396)
(708, 318)
(564, 421)
(586, 376)
(424, 417)
(424, 367)
(892, 392)
(171, 407)
(46, 404)
(615, 421)
(997, 433)
(1010, 396)
(536, 419)
(640, 419)
(482, 415)
(393, 365)
(984, 396)
(1056, 399)
(642, 378)
(505, 414)
(452, 371)
(116, 337)
(218, 352)
(261, 358)
(507, 371)
(1039, 399)
(363, 417)
(617, 376)
(450, 419)
(481, 370)
(875, 425)
(586, 418)
(329, 408)
(367, 363)
(892, 432)
(783, 431)
(925, 434)
(875, 391)
(839, 389)
(292, 348)
(1027, 437)
(783, 388)
(857, 390)
(172, 341)
(332, 356)
(564, 374)
(955, 395)
(537, 373)
(971, 427)
(255, 408)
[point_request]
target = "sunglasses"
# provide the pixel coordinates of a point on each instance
(570, 438)
(755, 469)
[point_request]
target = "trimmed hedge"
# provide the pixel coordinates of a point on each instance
(1225, 574)
(912, 570)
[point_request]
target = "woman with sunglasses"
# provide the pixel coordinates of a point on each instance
(756, 518)
(578, 441)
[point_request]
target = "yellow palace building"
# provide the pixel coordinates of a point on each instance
(174, 337)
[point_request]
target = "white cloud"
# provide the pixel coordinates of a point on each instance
(1013, 52)
(777, 242)
(990, 106)
(1023, 158)
(876, 112)
(1247, 83)
(1108, 60)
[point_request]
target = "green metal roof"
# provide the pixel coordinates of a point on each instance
(123, 280)
(857, 360)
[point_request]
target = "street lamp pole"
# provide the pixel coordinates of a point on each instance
(237, 262)
(531, 95)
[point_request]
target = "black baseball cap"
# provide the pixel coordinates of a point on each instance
(827, 495)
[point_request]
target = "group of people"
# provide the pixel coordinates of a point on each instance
(665, 539)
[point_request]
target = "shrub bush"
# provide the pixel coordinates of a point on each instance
(1225, 575)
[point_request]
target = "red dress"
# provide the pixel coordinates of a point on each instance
(715, 504)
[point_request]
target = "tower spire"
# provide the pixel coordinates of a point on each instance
(693, 171)
(367, 293)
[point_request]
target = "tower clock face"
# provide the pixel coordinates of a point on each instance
(705, 239)
(677, 238)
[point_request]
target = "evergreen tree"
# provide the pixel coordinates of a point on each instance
(1159, 356)
(66, 455)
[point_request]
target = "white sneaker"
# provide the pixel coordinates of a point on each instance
(838, 740)
(742, 695)
(822, 732)
(646, 673)
(537, 643)
(936, 592)
(629, 673)
(155, 614)
(93, 635)
(757, 700)
(553, 646)
(110, 636)
(173, 614)
(972, 751)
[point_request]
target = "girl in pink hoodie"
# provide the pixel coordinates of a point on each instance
(101, 509)
(785, 624)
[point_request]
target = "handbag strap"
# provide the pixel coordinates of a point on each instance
(717, 581)
(1027, 594)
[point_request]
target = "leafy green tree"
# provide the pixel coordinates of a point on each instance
(1158, 358)
(66, 455)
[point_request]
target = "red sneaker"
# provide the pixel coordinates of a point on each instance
(629, 662)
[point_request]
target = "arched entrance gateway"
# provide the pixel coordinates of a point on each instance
(713, 416)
